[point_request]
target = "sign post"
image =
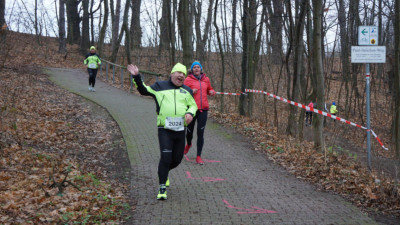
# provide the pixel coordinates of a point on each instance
(368, 35)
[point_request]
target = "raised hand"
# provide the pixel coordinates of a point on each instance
(133, 69)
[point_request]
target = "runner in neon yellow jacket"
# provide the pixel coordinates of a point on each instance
(175, 108)
(171, 100)
(92, 61)
(333, 110)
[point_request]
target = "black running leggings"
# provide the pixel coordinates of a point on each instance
(92, 76)
(172, 144)
(201, 118)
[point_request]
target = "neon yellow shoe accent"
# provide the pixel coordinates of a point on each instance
(162, 193)
(167, 183)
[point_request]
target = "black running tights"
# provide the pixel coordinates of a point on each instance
(172, 144)
(92, 76)
(201, 118)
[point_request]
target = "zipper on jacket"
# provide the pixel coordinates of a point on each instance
(201, 95)
(175, 99)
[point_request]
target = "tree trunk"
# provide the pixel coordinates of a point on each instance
(397, 76)
(115, 15)
(186, 30)
(124, 28)
(2, 12)
(62, 47)
(243, 99)
(201, 40)
(298, 91)
(73, 34)
(172, 33)
(103, 29)
(164, 26)
(221, 53)
(233, 29)
(319, 74)
(85, 28)
(344, 45)
(136, 30)
(91, 23)
(276, 14)
(254, 48)
(36, 20)
(354, 23)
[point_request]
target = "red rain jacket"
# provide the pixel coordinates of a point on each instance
(203, 86)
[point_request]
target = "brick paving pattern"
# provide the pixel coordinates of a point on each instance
(236, 186)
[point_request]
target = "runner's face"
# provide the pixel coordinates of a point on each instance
(178, 78)
(196, 70)
(92, 51)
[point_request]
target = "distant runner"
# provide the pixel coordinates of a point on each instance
(92, 61)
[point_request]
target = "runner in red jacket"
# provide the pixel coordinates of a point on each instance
(201, 86)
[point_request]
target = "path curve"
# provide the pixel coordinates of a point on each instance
(236, 186)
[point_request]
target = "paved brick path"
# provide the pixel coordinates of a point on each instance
(236, 186)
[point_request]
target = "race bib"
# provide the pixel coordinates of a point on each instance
(92, 66)
(174, 123)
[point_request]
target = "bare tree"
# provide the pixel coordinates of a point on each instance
(165, 41)
(243, 100)
(251, 46)
(186, 30)
(276, 24)
(3, 26)
(397, 77)
(84, 45)
(36, 20)
(115, 16)
(233, 29)
(298, 83)
(221, 53)
(318, 73)
(136, 30)
(2, 9)
(103, 28)
(344, 46)
(62, 48)
(127, 33)
(73, 34)
(201, 40)
(124, 29)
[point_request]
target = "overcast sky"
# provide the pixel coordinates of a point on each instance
(20, 16)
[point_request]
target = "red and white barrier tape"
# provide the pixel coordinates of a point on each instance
(317, 111)
(227, 93)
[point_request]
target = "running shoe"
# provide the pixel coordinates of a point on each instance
(167, 183)
(162, 193)
(93, 89)
(199, 160)
(187, 147)
(90, 88)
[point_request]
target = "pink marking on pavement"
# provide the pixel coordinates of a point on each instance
(254, 209)
(187, 159)
(205, 179)
(205, 160)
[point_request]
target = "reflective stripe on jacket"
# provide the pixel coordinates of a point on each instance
(171, 100)
(203, 86)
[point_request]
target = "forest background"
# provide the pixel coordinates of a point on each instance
(299, 50)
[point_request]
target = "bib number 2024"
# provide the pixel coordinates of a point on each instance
(174, 123)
